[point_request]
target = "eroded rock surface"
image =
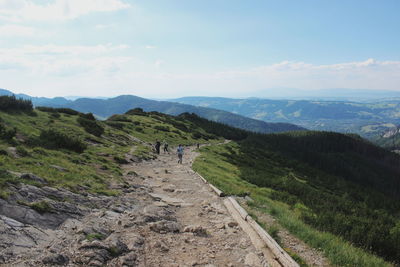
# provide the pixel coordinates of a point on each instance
(164, 216)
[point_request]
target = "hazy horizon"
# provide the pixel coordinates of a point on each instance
(168, 49)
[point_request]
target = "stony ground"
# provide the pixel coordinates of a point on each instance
(166, 216)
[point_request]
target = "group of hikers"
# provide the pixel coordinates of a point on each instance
(179, 150)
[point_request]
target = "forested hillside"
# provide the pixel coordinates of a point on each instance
(333, 182)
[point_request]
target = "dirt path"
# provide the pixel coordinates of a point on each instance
(166, 216)
(209, 236)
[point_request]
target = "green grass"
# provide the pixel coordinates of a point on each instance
(227, 177)
(94, 236)
(95, 165)
(40, 206)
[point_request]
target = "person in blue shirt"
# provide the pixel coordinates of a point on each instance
(180, 153)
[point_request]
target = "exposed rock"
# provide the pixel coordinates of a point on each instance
(134, 242)
(232, 224)
(115, 245)
(252, 260)
(34, 178)
(156, 213)
(95, 257)
(128, 260)
(160, 245)
(13, 151)
(59, 168)
(96, 244)
(163, 227)
(56, 259)
(196, 230)
(11, 222)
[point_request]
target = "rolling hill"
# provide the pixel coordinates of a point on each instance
(104, 108)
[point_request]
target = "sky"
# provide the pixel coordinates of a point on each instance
(174, 48)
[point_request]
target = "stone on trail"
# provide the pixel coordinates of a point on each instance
(163, 227)
(128, 260)
(56, 259)
(252, 260)
(196, 230)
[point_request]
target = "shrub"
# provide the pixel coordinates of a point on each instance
(93, 236)
(88, 116)
(54, 139)
(55, 115)
(162, 128)
(119, 118)
(117, 125)
(22, 151)
(68, 111)
(196, 135)
(7, 133)
(41, 207)
(139, 129)
(40, 151)
(135, 111)
(120, 160)
(88, 122)
(46, 109)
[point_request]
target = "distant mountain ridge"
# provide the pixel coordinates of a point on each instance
(368, 119)
(118, 105)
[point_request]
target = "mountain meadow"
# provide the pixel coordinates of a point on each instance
(337, 192)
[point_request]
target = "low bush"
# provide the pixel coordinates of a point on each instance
(114, 124)
(55, 115)
(135, 111)
(89, 123)
(22, 151)
(7, 133)
(54, 139)
(88, 116)
(162, 128)
(119, 118)
(120, 160)
(67, 111)
(58, 110)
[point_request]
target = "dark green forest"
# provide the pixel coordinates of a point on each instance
(349, 186)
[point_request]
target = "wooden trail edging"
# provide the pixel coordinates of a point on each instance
(275, 253)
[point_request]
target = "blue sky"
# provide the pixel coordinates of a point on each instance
(172, 48)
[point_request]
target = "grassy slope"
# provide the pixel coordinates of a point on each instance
(98, 165)
(216, 164)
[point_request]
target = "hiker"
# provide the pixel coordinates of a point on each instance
(165, 147)
(157, 147)
(180, 153)
(198, 145)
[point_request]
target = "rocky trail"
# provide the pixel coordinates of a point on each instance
(166, 216)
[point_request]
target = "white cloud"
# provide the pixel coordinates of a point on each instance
(63, 60)
(150, 46)
(16, 30)
(100, 70)
(22, 10)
